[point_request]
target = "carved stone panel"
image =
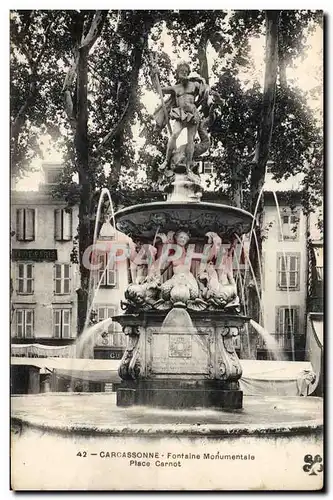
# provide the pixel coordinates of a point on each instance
(179, 354)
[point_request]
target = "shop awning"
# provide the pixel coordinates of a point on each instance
(94, 370)
(43, 351)
(281, 378)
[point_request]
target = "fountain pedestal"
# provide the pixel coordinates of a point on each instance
(181, 367)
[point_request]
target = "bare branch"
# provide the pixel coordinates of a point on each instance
(68, 83)
(137, 60)
(95, 29)
(115, 131)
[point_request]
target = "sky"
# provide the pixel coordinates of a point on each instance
(305, 72)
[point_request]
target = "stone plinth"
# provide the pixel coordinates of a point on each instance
(181, 366)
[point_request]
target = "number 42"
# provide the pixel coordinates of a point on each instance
(81, 454)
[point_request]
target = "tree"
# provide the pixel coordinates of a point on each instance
(38, 43)
(90, 79)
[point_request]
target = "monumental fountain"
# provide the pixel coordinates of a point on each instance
(179, 413)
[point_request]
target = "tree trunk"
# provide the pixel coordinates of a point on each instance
(202, 55)
(259, 165)
(282, 73)
(82, 158)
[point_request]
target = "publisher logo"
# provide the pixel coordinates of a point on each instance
(313, 465)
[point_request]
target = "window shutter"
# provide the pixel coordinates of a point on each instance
(29, 323)
(29, 271)
(111, 311)
(296, 321)
(20, 224)
(293, 271)
(66, 270)
(20, 284)
(102, 276)
(66, 323)
(58, 224)
(279, 320)
(112, 277)
(29, 224)
(29, 288)
(57, 278)
(282, 271)
(101, 313)
(19, 324)
(67, 225)
(57, 323)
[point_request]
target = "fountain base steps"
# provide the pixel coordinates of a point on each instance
(181, 394)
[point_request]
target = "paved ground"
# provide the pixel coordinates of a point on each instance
(99, 411)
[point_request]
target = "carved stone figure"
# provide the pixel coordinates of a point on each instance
(144, 290)
(186, 97)
(182, 288)
(218, 294)
(216, 281)
(130, 364)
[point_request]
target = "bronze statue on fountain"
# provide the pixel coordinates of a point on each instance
(191, 106)
(181, 309)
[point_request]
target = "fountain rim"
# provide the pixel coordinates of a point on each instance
(144, 207)
(166, 429)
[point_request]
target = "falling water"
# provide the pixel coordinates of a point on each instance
(253, 276)
(241, 286)
(92, 293)
(287, 276)
(270, 342)
(178, 320)
(262, 317)
(85, 343)
(253, 233)
(253, 222)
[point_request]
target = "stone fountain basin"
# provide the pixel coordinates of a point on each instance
(49, 430)
(142, 221)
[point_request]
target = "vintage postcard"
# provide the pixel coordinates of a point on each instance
(167, 278)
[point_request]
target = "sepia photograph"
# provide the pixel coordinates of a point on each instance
(166, 250)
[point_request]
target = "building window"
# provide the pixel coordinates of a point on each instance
(62, 323)
(24, 323)
(52, 174)
(63, 224)
(290, 225)
(105, 312)
(287, 321)
(288, 271)
(117, 339)
(25, 224)
(25, 279)
(62, 279)
(107, 274)
(208, 167)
